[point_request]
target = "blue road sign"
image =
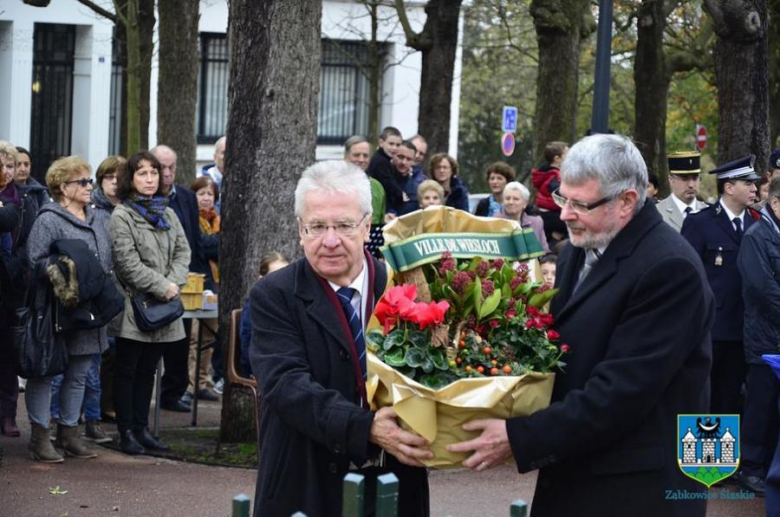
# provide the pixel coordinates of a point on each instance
(509, 123)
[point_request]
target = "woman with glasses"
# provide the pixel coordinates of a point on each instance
(70, 217)
(151, 256)
(516, 196)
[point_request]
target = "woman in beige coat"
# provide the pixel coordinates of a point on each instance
(151, 256)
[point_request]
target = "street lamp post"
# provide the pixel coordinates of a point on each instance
(600, 118)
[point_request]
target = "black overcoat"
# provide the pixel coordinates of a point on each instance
(311, 424)
(638, 328)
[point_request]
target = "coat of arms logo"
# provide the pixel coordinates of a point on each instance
(708, 446)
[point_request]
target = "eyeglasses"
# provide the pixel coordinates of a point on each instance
(342, 228)
(83, 182)
(579, 207)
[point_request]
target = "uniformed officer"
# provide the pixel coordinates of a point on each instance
(715, 233)
(684, 171)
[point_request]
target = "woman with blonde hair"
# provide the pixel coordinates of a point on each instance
(71, 216)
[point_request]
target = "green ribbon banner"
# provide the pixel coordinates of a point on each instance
(415, 251)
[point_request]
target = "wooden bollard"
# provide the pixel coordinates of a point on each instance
(353, 496)
(240, 506)
(387, 495)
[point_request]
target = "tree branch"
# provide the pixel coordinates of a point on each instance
(99, 10)
(414, 40)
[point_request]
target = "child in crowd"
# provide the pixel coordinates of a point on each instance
(430, 193)
(269, 263)
(546, 180)
(548, 263)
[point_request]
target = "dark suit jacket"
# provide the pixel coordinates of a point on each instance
(185, 204)
(638, 327)
(311, 425)
(711, 234)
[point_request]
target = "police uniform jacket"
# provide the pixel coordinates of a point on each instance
(671, 213)
(714, 239)
(311, 424)
(759, 265)
(640, 354)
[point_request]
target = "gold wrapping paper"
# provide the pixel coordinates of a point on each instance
(437, 415)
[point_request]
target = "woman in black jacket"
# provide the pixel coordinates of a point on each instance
(9, 390)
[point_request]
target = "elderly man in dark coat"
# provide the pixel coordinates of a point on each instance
(308, 354)
(636, 310)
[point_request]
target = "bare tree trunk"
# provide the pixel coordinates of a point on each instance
(774, 72)
(177, 82)
(652, 87)
(741, 71)
(146, 23)
(274, 85)
(134, 78)
(438, 42)
(560, 27)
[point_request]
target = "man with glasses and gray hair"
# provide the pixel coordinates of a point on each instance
(308, 353)
(635, 309)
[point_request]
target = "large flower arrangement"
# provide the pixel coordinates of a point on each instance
(485, 318)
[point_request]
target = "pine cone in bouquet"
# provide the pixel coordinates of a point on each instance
(486, 318)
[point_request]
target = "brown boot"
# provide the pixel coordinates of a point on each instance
(40, 447)
(68, 440)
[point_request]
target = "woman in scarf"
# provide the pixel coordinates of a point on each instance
(207, 195)
(151, 256)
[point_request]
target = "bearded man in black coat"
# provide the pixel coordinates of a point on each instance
(308, 354)
(636, 310)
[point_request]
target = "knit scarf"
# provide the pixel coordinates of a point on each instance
(151, 208)
(209, 221)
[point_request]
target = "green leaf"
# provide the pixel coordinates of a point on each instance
(507, 273)
(490, 305)
(477, 297)
(394, 339)
(419, 339)
(522, 289)
(414, 357)
(439, 359)
(435, 380)
(374, 339)
(540, 299)
(395, 358)
(427, 365)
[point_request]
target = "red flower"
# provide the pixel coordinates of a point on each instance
(482, 269)
(487, 288)
(498, 263)
(494, 323)
(395, 300)
(565, 349)
(430, 314)
(511, 313)
(551, 335)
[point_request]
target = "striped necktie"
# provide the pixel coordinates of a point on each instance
(345, 295)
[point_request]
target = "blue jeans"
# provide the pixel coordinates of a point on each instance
(37, 395)
(91, 392)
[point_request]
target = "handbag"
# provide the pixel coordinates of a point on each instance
(152, 314)
(39, 351)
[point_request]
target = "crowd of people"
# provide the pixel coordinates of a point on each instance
(595, 206)
(140, 234)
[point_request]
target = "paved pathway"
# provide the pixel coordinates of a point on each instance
(115, 484)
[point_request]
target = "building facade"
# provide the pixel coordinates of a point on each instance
(60, 85)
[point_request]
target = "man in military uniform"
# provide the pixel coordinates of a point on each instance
(715, 233)
(684, 170)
